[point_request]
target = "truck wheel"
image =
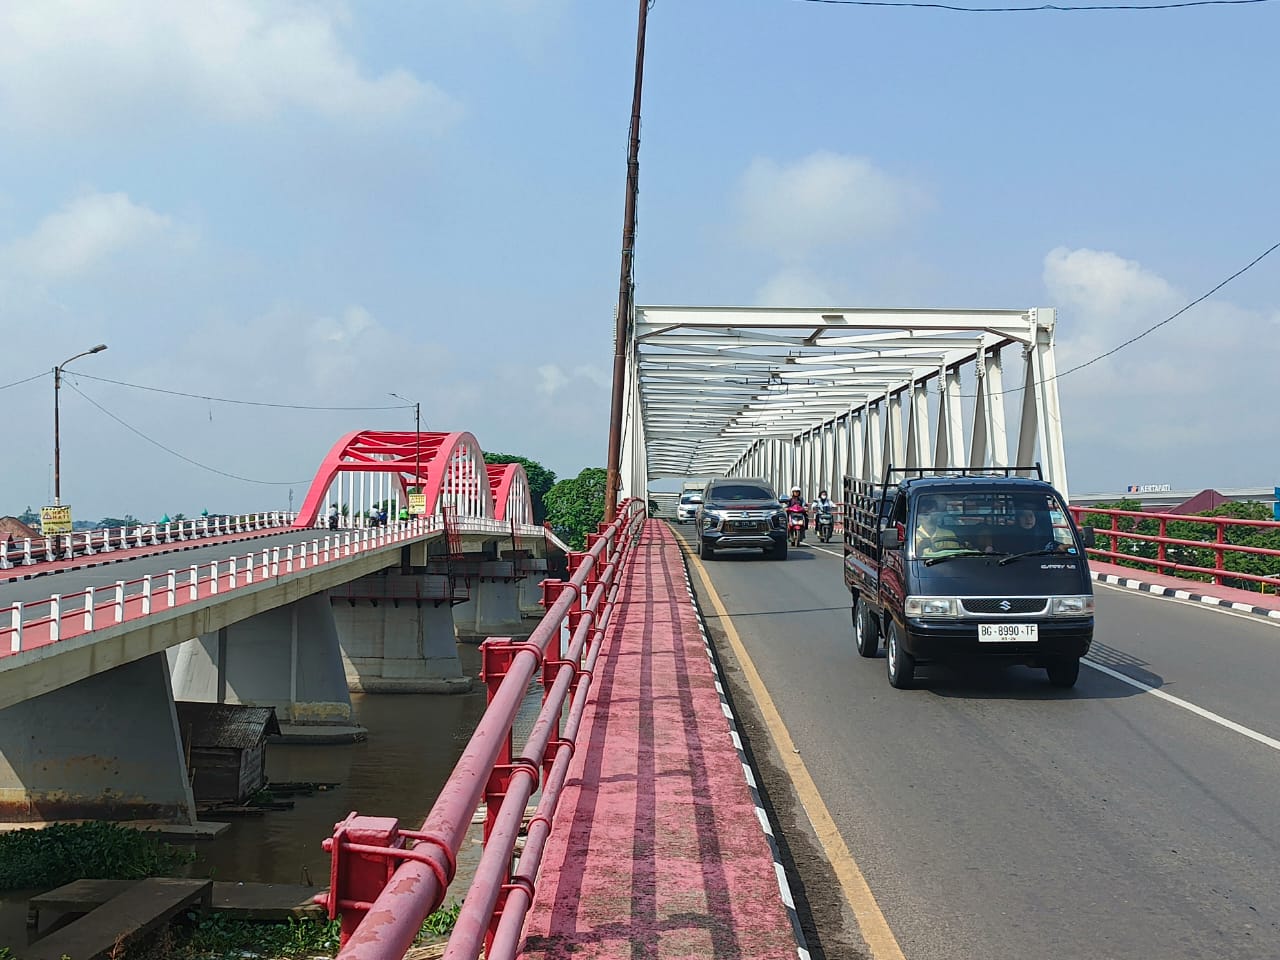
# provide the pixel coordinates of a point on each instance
(705, 550)
(900, 664)
(1063, 671)
(865, 629)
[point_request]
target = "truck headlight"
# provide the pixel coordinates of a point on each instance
(931, 607)
(1071, 606)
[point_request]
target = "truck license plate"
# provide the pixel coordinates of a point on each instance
(1008, 633)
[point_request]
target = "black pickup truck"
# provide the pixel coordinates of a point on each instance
(967, 565)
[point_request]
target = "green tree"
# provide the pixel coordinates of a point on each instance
(575, 507)
(29, 516)
(541, 480)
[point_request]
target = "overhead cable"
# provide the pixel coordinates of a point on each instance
(16, 383)
(244, 403)
(196, 463)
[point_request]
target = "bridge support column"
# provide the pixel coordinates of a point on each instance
(493, 610)
(119, 728)
(288, 658)
(532, 570)
(398, 635)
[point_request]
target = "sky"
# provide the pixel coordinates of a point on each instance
(318, 204)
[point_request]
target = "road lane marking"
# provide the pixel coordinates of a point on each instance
(1186, 705)
(857, 893)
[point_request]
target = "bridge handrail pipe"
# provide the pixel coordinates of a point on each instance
(414, 890)
(505, 928)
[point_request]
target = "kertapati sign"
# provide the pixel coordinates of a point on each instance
(55, 519)
(1149, 488)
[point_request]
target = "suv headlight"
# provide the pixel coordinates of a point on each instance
(1071, 606)
(931, 607)
(711, 518)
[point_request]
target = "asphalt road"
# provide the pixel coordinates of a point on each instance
(994, 816)
(73, 581)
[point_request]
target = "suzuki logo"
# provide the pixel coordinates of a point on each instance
(1005, 605)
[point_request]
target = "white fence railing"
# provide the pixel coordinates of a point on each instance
(65, 546)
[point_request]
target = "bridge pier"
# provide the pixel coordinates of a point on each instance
(398, 635)
(106, 748)
(287, 657)
(494, 607)
(532, 571)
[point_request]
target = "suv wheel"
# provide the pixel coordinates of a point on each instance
(778, 551)
(901, 665)
(705, 550)
(865, 629)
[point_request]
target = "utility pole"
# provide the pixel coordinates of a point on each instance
(622, 322)
(417, 427)
(57, 439)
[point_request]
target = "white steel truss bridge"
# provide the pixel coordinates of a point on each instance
(804, 396)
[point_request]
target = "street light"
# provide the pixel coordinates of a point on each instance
(57, 451)
(417, 436)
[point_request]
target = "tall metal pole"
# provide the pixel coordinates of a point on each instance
(417, 456)
(622, 323)
(57, 441)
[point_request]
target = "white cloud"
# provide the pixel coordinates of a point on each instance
(1186, 404)
(87, 232)
(551, 379)
(820, 200)
(68, 64)
(794, 286)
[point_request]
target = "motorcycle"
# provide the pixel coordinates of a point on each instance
(826, 524)
(796, 522)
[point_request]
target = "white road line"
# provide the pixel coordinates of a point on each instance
(1185, 705)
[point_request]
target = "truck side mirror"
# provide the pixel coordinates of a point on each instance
(1087, 535)
(891, 538)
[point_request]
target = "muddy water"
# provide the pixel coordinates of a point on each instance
(414, 741)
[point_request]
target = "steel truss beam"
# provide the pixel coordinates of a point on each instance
(806, 396)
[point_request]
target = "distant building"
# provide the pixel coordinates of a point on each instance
(12, 527)
(1202, 501)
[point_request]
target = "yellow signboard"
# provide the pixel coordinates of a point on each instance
(417, 504)
(55, 519)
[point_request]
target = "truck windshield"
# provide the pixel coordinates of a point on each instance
(969, 522)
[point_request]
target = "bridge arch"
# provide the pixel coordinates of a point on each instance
(512, 500)
(370, 466)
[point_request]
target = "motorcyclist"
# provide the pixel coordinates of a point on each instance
(823, 507)
(795, 505)
(333, 516)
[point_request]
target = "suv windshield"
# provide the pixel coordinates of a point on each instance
(730, 492)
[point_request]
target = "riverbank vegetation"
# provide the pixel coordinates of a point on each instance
(43, 859)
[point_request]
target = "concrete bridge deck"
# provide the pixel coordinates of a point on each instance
(660, 844)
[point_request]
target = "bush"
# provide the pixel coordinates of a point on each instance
(97, 850)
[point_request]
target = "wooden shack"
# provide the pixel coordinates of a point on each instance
(226, 747)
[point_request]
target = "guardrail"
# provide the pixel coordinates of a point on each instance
(65, 546)
(1175, 554)
(385, 881)
(38, 623)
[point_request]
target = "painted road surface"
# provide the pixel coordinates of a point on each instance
(994, 816)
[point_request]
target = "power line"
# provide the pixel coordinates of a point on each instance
(18, 383)
(244, 403)
(202, 466)
(1036, 9)
(1151, 329)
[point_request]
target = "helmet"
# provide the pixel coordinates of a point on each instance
(795, 489)
(822, 493)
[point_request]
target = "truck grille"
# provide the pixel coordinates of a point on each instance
(1004, 605)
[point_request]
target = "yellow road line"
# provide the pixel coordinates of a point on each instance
(871, 922)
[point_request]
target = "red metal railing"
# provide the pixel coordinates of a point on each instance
(384, 881)
(1123, 530)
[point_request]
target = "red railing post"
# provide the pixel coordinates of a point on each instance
(356, 878)
(1218, 553)
(496, 656)
(1160, 546)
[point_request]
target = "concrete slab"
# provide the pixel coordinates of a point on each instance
(319, 734)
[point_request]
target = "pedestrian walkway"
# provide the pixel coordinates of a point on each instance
(1164, 585)
(658, 848)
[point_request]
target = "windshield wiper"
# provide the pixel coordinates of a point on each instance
(959, 553)
(1029, 553)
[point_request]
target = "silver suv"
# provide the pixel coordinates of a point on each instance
(687, 508)
(741, 512)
